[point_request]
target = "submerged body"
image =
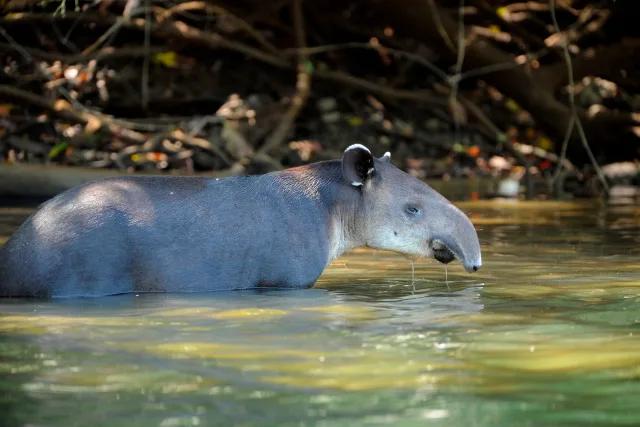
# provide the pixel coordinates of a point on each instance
(171, 234)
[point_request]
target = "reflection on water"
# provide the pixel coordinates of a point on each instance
(547, 333)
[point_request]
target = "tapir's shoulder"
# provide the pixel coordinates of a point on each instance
(150, 182)
(303, 179)
(150, 186)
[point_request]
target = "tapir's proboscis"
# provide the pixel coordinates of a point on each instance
(191, 234)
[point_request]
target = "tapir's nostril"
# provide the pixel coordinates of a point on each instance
(472, 268)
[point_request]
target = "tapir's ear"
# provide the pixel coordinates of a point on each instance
(386, 157)
(357, 164)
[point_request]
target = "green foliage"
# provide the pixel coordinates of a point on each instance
(57, 149)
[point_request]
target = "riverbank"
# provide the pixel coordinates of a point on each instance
(42, 181)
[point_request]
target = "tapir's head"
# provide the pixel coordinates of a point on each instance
(402, 214)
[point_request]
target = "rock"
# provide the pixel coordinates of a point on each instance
(623, 194)
(624, 191)
(621, 170)
(509, 187)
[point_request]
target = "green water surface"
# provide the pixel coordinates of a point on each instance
(546, 334)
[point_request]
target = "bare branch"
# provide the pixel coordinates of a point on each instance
(572, 103)
(66, 111)
(456, 108)
(422, 96)
(144, 81)
(15, 45)
(358, 45)
(303, 84)
(435, 13)
(220, 11)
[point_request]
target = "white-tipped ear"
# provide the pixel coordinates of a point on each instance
(357, 164)
(386, 157)
(357, 146)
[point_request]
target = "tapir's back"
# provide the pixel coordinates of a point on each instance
(155, 234)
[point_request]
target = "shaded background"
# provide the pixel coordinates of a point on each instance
(544, 94)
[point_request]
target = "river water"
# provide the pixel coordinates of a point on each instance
(547, 333)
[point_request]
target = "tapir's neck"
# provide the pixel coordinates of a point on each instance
(344, 233)
(341, 202)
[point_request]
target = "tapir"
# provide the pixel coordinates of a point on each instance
(194, 234)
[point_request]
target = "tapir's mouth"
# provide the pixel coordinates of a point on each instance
(441, 251)
(445, 253)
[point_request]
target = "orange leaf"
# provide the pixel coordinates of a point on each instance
(473, 151)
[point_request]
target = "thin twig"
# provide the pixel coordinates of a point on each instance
(419, 59)
(214, 40)
(439, 26)
(303, 85)
(563, 150)
(144, 81)
(64, 38)
(125, 124)
(112, 30)
(421, 96)
(502, 66)
(15, 45)
(461, 39)
(572, 103)
(454, 80)
(220, 11)
(493, 131)
(359, 45)
(202, 143)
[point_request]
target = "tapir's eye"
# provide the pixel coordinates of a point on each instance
(412, 210)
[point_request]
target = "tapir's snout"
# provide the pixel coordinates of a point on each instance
(472, 267)
(457, 238)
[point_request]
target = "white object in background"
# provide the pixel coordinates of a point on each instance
(509, 187)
